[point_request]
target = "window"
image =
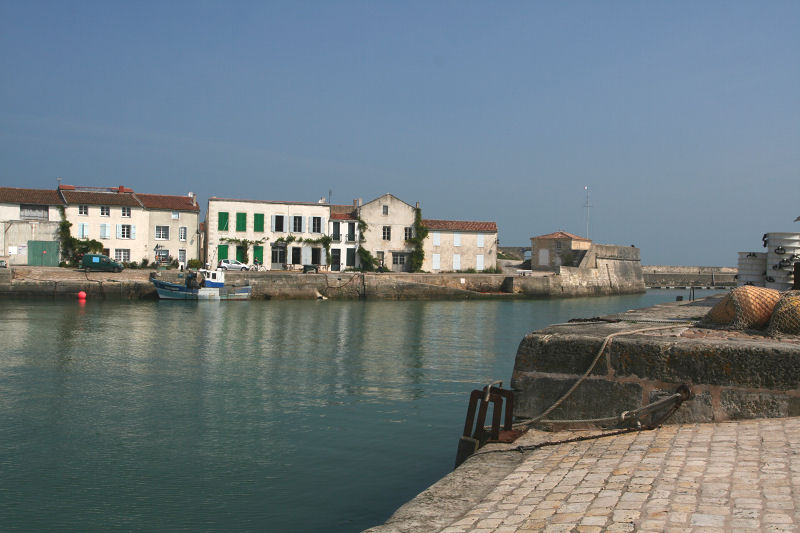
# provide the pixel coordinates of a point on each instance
(386, 210)
(336, 259)
(182, 256)
(409, 233)
(379, 255)
(176, 215)
(222, 251)
(296, 255)
(297, 225)
(387, 233)
(83, 230)
(241, 221)
(480, 240)
(258, 222)
(350, 260)
(279, 255)
(437, 238)
(479, 262)
(456, 239)
(456, 262)
(182, 231)
(162, 255)
(316, 226)
(83, 209)
(398, 259)
(277, 223)
(437, 261)
(222, 224)
(122, 254)
(316, 254)
(336, 235)
(162, 233)
(34, 212)
(105, 231)
(351, 232)
(126, 212)
(558, 245)
(105, 211)
(126, 231)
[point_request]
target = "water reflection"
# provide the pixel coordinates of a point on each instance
(170, 415)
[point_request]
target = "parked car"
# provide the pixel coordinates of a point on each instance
(100, 262)
(231, 264)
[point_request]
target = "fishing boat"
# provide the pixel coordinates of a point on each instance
(203, 285)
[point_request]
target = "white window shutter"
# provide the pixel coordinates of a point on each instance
(273, 222)
(133, 231)
(480, 240)
(119, 231)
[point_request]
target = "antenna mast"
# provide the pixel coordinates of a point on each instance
(587, 206)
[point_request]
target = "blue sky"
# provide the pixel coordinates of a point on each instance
(683, 118)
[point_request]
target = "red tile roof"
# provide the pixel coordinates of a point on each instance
(100, 198)
(14, 195)
(460, 225)
(342, 216)
(172, 203)
(562, 235)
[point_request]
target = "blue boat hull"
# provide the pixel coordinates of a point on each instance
(176, 291)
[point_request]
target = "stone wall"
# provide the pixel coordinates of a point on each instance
(689, 276)
(732, 375)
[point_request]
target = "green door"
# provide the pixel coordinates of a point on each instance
(43, 253)
(240, 253)
(258, 254)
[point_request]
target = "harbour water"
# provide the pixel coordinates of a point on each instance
(245, 416)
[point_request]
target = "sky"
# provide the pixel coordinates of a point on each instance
(681, 117)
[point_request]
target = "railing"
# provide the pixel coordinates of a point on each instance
(351, 237)
(336, 237)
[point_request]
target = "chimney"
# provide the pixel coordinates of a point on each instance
(191, 195)
(355, 202)
(417, 205)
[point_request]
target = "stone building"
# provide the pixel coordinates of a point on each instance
(458, 245)
(557, 249)
(29, 221)
(345, 234)
(390, 224)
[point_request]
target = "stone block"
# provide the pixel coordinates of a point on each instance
(594, 398)
(741, 405)
(698, 409)
(564, 354)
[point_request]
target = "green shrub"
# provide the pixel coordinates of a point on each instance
(194, 263)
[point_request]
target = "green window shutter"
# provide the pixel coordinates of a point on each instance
(241, 221)
(240, 254)
(258, 252)
(223, 224)
(222, 251)
(258, 222)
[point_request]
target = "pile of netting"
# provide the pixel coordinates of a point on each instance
(750, 307)
(786, 315)
(745, 307)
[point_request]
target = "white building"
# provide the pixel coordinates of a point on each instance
(345, 234)
(276, 234)
(29, 221)
(390, 223)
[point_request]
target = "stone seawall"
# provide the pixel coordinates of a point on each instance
(692, 276)
(733, 375)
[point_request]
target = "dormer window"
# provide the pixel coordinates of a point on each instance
(105, 211)
(126, 212)
(83, 210)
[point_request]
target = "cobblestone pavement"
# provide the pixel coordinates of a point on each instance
(732, 476)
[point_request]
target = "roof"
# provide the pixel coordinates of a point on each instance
(460, 225)
(562, 235)
(271, 202)
(343, 212)
(14, 195)
(98, 196)
(393, 196)
(172, 203)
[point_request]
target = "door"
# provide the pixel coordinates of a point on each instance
(544, 257)
(336, 259)
(43, 253)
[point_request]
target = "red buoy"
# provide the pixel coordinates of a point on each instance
(82, 295)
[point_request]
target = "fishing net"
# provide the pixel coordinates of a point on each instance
(786, 315)
(745, 307)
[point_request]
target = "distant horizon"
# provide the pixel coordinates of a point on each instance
(681, 118)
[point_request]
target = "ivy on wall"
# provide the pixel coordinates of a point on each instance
(417, 255)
